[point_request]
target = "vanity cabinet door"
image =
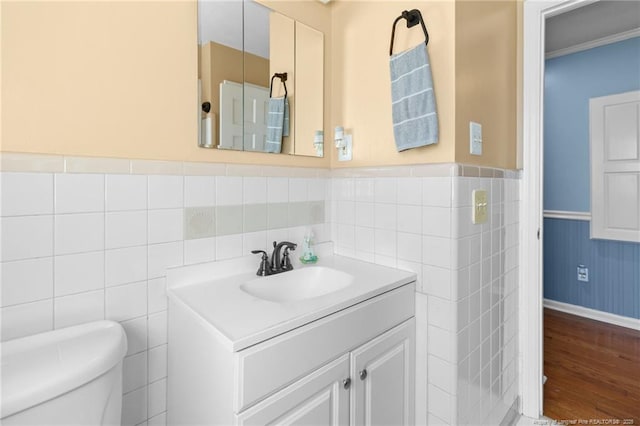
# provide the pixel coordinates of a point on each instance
(321, 398)
(383, 378)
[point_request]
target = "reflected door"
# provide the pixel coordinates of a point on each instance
(230, 115)
(256, 100)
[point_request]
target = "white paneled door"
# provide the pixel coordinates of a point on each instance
(615, 167)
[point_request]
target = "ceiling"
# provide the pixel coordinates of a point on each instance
(221, 21)
(594, 21)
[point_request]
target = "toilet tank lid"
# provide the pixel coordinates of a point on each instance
(43, 366)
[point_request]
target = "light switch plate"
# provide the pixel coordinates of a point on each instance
(480, 206)
(346, 153)
(475, 138)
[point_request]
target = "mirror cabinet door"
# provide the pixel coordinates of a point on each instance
(242, 45)
(256, 75)
(221, 73)
(309, 64)
(282, 39)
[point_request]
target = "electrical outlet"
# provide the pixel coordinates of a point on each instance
(583, 273)
(475, 138)
(480, 206)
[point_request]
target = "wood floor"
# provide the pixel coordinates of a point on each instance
(592, 369)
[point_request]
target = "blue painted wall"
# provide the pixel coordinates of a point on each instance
(614, 269)
(614, 266)
(569, 83)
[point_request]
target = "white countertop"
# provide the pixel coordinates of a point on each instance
(212, 291)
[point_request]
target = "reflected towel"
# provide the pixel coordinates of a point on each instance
(285, 125)
(277, 124)
(415, 122)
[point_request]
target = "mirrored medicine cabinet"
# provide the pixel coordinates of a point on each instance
(247, 55)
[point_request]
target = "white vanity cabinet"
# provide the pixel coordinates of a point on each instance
(318, 399)
(346, 359)
(372, 385)
(383, 373)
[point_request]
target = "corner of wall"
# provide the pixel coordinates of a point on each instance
(486, 82)
(520, 85)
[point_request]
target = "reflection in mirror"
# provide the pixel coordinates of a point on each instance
(257, 78)
(309, 64)
(243, 45)
(282, 41)
(220, 71)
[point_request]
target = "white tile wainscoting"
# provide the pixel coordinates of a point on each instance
(467, 276)
(79, 247)
(90, 238)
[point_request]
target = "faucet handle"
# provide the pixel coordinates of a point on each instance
(265, 267)
(286, 262)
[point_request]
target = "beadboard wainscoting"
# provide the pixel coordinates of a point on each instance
(614, 269)
(419, 218)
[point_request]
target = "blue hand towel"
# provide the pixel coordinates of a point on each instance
(415, 122)
(277, 124)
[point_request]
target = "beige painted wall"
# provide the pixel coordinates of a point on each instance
(473, 52)
(256, 70)
(109, 79)
(99, 78)
(361, 95)
(119, 79)
(486, 87)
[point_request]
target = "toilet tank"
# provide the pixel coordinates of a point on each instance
(66, 376)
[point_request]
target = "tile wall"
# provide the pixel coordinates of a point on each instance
(79, 247)
(419, 218)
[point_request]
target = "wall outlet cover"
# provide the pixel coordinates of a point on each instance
(583, 273)
(475, 138)
(480, 209)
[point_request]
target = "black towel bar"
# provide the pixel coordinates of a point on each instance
(283, 78)
(413, 17)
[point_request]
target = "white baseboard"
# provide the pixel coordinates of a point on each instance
(632, 323)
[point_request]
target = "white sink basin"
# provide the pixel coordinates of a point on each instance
(299, 284)
(244, 309)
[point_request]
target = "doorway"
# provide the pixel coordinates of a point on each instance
(539, 17)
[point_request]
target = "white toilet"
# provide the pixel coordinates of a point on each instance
(70, 376)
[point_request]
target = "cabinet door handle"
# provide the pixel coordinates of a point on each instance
(346, 383)
(363, 374)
